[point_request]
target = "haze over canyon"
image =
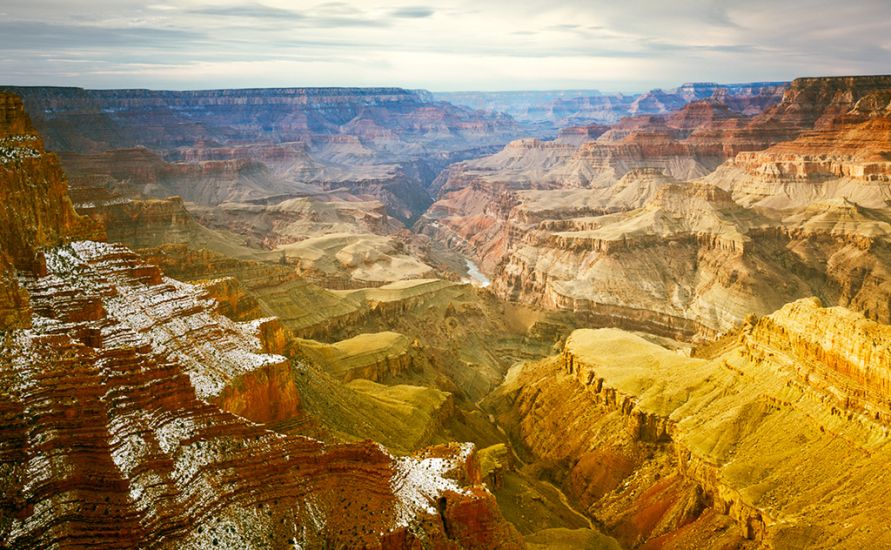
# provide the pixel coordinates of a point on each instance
(387, 317)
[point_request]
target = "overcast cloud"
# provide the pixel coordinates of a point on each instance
(626, 45)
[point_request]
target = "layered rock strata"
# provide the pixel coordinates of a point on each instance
(117, 117)
(610, 227)
(742, 449)
(110, 440)
(693, 255)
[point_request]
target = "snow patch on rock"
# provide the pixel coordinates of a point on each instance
(418, 481)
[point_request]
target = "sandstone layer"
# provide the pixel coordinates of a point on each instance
(610, 225)
(767, 442)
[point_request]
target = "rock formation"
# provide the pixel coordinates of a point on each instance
(835, 146)
(367, 356)
(215, 146)
(691, 261)
(558, 109)
(109, 438)
(262, 330)
(38, 212)
(745, 447)
(591, 226)
(118, 117)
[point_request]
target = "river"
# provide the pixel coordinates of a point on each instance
(476, 276)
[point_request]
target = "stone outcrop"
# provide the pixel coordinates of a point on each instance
(835, 143)
(37, 212)
(832, 350)
(545, 110)
(14, 310)
(742, 448)
(267, 395)
(34, 191)
(142, 224)
(376, 357)
(231, 298)
(608, 227)
(167, 410)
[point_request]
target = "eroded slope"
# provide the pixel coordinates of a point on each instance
(771, 441)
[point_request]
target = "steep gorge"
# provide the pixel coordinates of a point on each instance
(620, 225)
(296, 328)
(745, 448)
(109, 437)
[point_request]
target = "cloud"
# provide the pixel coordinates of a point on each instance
(335, 22)
(453, 44)
(327, 16)
(29, 35)
(412, 12)
(254, 11)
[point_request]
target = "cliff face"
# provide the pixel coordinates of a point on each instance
(835, 144)
(374, 357)
(109, 438)
(38, 211)
(744, 448)
(609, 225)
(127, 118)
(833, 350)
(691, 261)
(817, 102)
(218, 146)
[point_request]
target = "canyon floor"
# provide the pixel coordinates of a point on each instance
(336, 318)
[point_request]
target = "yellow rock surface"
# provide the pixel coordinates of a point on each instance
(784, 432)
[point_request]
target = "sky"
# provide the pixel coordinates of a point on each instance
(447, 45)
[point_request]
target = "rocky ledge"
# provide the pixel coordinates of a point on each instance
(744, 447)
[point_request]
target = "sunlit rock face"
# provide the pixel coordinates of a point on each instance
(838, 131)
(744, 445)
(684, 223)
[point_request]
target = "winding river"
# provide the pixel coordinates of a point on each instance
(476, 276)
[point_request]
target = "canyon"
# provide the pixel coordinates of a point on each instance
(559, 109)
(385, 318)
(127, 396)
(718, 450)
(656, 220)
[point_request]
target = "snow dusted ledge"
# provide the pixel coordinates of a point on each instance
(418, 482)
(142, 307)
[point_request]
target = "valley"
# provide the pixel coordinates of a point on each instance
(385, 318)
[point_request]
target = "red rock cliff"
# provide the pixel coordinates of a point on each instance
(106, 435)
